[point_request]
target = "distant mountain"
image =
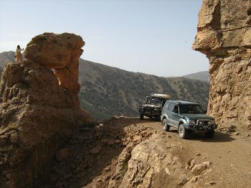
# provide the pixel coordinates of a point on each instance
(6, 57)
(107, 91)
(203, 76)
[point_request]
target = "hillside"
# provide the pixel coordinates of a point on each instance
(6, 57)
(203, 76)
(107, 91)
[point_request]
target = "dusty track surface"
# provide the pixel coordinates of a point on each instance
(104, 156)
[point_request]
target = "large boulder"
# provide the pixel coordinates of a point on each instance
(154, 163)
(37, 116)
(224, 35)
(59, 52)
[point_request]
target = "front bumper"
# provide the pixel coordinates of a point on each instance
(153, 112)
(201, 127)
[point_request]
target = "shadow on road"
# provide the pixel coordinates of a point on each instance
(218, 137)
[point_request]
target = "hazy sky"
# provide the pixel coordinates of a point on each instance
(150, 36)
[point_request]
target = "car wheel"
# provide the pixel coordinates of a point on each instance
(166, 127)
(183, 133)
(141, 116)
(209, 134)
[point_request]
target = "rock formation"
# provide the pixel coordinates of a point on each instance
(36, 114)
(153, 164)
(59, 52)
(224, 35)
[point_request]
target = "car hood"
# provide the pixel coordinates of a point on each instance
(197, 116)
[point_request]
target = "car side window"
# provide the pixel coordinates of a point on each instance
(170, 107)
(175, 109)
(165, 106)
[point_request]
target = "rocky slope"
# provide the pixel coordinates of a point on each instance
(107, 91)
(120, 92)
(125, 153)
(37, 116)
(224, 35)
(128, 152)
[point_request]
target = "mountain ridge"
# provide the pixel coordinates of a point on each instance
(202, 75)
(107, 91)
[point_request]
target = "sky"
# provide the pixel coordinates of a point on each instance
(149, 36)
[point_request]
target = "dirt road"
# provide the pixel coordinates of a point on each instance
(104, 156)
(230, 155)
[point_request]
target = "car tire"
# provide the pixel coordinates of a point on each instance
(183, 133)
(209, 134)
(141, 116)
(166, 127)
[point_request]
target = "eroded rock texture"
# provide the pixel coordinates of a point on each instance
(152, 164)
(36, 117)
(224, 35)
(59, 52)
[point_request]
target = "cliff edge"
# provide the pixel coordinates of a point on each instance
(224, 35)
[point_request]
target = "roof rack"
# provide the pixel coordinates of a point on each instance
(165, 96)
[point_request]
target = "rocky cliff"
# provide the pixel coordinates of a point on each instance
(224, 35)
(37, 115)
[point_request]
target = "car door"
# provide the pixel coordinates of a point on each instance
(164, 111)
(175, 115)
(147, 107)
(170, 114)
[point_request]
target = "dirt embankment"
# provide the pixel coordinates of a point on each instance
(126, 152)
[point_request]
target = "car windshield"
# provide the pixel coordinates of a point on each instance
(191, 109)
(156, 101)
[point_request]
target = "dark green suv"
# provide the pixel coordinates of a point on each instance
(153, 105)
(187, 117)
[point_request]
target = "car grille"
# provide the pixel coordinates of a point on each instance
(201, 124)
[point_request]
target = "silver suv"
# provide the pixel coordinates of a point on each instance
(187, 117)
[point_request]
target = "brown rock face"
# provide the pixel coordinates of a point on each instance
(224, 35)
(37, 116)
(59, 52)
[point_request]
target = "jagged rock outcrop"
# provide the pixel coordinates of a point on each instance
(154, 163)
(36, 117)
(224, 35)
(59, 52)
